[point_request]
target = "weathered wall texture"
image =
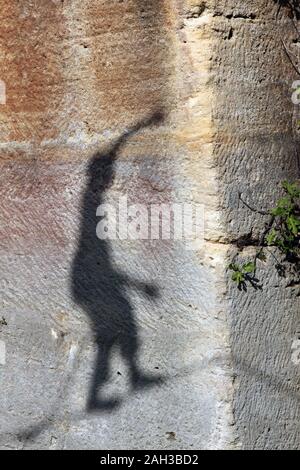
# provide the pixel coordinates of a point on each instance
(161, 101)
(256, 147)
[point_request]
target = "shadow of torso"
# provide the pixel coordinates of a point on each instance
(97, 286)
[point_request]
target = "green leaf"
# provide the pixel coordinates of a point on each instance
(286, 203)
(293, 224)
(238, 277)
(280, 212)
(249, 267)
(271, 237)
(234, 267)
(292, 189)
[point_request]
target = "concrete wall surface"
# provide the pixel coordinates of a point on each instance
(144, 344)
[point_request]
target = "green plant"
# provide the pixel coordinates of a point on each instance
(282, 232)
(241, 273)
(286, 228)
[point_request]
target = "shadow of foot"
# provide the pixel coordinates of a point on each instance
(140, 381)
(97, 404)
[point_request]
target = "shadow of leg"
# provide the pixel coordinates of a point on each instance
(100, 376)
(139, 380)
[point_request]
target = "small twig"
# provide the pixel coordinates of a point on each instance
(261, 244)
(278, 11)
(268, 228)
(295, 26)
(271, 253)
(289, 57)
(252, 208)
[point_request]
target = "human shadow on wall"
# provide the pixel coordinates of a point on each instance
(100, 289)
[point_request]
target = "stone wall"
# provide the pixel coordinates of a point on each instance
(158, 101)
(256, 148)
